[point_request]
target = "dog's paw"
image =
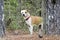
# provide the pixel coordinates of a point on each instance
(40, 36)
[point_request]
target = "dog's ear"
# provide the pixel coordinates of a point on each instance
(28, 10)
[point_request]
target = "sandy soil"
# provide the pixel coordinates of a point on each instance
(27, 36)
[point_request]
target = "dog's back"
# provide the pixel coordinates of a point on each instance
(36, 20)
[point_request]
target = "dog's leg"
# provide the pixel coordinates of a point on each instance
(30, 26)
(31, 29)
(41, 30)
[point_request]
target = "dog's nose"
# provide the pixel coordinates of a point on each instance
(23, 15)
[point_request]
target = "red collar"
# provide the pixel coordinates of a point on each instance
(27, 18)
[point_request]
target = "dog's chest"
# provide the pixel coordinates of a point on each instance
(28, 22)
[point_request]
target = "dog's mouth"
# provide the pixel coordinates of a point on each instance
(26, 17)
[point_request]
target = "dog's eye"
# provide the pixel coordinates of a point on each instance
(25, 12)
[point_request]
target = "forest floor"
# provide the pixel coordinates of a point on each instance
(26, 36)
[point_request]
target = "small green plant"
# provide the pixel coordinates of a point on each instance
(14, 25)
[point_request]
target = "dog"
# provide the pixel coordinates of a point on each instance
(33, 20)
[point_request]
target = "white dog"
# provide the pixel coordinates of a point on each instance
(33, 20)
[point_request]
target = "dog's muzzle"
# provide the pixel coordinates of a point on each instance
(23, 14)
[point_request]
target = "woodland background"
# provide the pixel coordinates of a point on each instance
(13, 18)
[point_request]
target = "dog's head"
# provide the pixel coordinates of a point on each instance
(25, 13)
